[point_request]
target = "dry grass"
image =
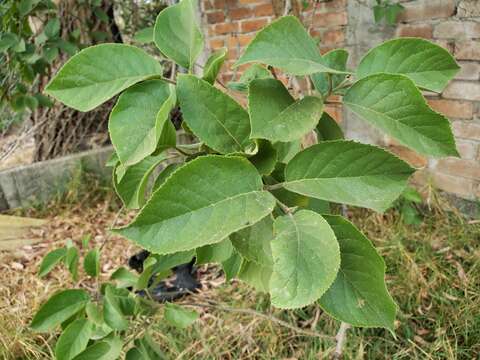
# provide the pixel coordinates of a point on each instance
(433, 274)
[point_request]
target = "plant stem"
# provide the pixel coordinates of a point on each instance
(341, 337)
(274, 186)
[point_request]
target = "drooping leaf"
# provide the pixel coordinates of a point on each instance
(231, 266)
(328, 129)
(348, 172)
(254, 242)
(72, 258)
(163, 176)
(306, 259)
(266, 157)
(139, 118)
(177, 34)
(255, 71)
(213, 65)
(59, 308)
(107, 349)
(214, 117)
(335, 59)
(358, 295)
(50, 260)
(201, 203)
(100, 72)
(256, 275)
(428, 65)
(144, 36)
(274, 116)
(178, 316)
(133, 185)
(124, 277)
(112, 311)
(73, 340)
(215, 253)
(91, 263)
(393, 104)
(285, 44)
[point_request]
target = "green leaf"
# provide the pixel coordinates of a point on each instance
(91, 263)
(100, 72)
(328, 129)
(393, 104)
(378, 13)
(25, 6)
(285, 44)
(177, 34)
(133, 185)
(306, 259)
(73, 340)
(149, 349)
(275, 117)
(231, 266)
(163, 176)
(358, 295)
(138, 119)
(144, 278)
(201, 203)
(217, 120)
(59, 308)
(266, 157)
(144, 36)
(348, 172)
(215, 253)
(255, 71)
(108, 349)
(71, 261)
(254, 242)
(112, 311)
(124, 278)
(86, 240)
(428, 65)
(411, 194)
(134, 354)
(213, 65)
(52, 28)
(287, 150)
(8, 40)
(256, 275)
(166, 262)
(336, 59)
(178, 316)
(50, 260)
(392, 12)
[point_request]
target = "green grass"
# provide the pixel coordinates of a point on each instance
(433, 273)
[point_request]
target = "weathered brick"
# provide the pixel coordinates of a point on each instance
(425, 10)
(469, 71)
(409, 156)
(453, 184)
(215, 17)
(452, 108)
(463, 90)
(244, 39)
(240, 13)
(419, 30)
(329, 5)
(253, 25)
(333, 37)
(466, 129)
(468, 8)
(225, 28)
(457, 30)
(469, 169)
(468, 149)
(467, 50)
(247, 2)
(330, 19)
(264, 10)
(216, 44)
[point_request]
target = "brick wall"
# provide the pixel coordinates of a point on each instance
(453, 24)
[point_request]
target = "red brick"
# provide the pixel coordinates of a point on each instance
(216, 44)
(453, 184)
(333, 37)
(231, 4)
(232, 54)
(329, 5)
(463, 90)
(410, 156)
(469, 71)
(264, 10)
(335, 112)
(213, 4)
(469, 169)
(330, 19)
(452, 109)
(457, 30)
(467, 50)
(468, 149)
(253, 25)
(240, 13)
(244, 39)
(225, 28)
(215, 17)
(426, 10)
(421, 30)
(466, 129)
(247, 2)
